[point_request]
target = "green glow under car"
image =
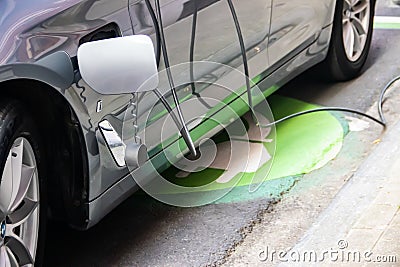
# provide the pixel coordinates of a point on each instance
(303, 144)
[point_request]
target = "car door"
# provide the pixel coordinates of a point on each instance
(295, 25)
(216, 40)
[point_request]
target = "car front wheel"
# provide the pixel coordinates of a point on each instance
(22, 214)
(351, 39)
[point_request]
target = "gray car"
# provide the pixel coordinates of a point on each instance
(62, 150)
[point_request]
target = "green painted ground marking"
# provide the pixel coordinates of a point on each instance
(303, 144)
(386, 22)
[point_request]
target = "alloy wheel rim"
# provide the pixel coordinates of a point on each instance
(19, 206)
(356, 20)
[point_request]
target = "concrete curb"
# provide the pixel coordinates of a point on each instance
(355, 199)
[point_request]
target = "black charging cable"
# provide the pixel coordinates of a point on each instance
(191, 56)
(167, 106)
(382, 98)
(382, 120)
(161, 37)
(156, 30)
(243, 52)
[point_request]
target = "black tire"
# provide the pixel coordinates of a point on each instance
(15, 123)
(337, 65)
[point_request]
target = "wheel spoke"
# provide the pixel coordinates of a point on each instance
(347, 4)
(6, 187)
(360, 7)
(22, 214)
(354, 2)
(349, 39)
(26, 179)
(18, 247)
(357, 40)
(359, 26)
(12, 177)
(4, 262)
(7, 258)
(16, 160)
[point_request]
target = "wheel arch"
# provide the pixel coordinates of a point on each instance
(66, 157)
(56, 70)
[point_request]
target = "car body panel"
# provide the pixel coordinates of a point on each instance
(296, 23)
